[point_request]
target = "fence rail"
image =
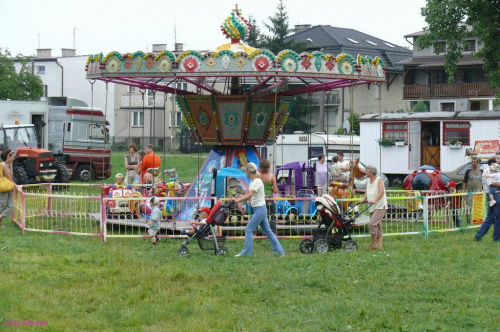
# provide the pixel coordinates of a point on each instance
(82, 209)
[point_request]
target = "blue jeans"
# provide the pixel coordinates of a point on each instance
(259, 218)
(493, 218)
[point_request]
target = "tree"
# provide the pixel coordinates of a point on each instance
(420, 107)
(301, 108)
(255, 37)
(453, 20)
(18, 86)
(279, 29)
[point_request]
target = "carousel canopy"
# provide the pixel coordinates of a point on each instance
(303, 73)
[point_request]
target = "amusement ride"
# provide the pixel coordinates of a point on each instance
(243, 95)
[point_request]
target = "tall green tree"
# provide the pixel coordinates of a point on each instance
(255, 37)
(297, 119)
(18, 86)
(279, 28)
(449, 20)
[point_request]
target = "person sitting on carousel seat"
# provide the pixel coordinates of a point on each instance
(147, 185)
(235, 189)
(119, 178)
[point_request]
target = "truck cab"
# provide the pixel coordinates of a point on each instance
(78, 136)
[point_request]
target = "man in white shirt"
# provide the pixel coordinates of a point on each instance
(345, 165)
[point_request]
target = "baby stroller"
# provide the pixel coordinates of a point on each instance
(337, 228)
(205, 234)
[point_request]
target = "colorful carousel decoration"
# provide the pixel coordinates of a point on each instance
(243, 95)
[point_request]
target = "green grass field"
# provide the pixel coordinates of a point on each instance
(443, 283)
(186, 164)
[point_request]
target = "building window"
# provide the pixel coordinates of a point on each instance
(40, 69)
(459, 131)
(130, 88)
(396, 130)
(181, 86)
(137, 119)
(151, 98)
(414, 103)
(439, 77)
(448, 107)
(440, 47)
(177, 118)
(475, 105)
(470, 45)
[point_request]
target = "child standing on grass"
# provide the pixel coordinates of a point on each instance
(154, 219)
(453, 202)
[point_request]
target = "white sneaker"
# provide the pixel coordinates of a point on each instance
(492, 203)
(239, 255)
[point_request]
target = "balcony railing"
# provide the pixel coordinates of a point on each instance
(480, 89)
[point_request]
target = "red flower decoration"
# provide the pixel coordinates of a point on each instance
(128, 63)
(261, 64)
(190, 65)
(150, 63)
(330, 64)
(306, 63)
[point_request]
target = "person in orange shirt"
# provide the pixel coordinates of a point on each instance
(150, 160)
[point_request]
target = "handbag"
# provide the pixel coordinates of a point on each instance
(5, 184)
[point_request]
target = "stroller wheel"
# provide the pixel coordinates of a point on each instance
(350, 245)
(221, 251)
(183, 251)
(322, 246)
(306, 246)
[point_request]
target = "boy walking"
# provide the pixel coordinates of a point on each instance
(154, 219)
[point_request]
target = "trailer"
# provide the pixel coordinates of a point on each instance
(76, 135)
(400, 143)
(299, 146)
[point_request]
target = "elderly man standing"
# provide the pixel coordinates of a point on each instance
(150, 160)
(472, 183)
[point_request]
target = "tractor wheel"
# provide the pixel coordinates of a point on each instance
(20, 176)
(84, 173)
(62, 175)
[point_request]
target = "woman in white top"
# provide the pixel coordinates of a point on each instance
(7, 198)
(375, 195)
(259, 218)
(322, 175)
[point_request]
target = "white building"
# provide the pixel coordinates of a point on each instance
(64, 76)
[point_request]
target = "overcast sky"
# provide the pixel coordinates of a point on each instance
(133, 25)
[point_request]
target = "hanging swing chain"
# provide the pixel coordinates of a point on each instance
(275, 112)
(142, 91)
(105, 132)
(92, 82)
(309, 143)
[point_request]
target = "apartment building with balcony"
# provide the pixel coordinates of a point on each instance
(331, 111)
(425, 79)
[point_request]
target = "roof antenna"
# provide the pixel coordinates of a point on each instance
(175, 32)
(74, 37)
(38, 40)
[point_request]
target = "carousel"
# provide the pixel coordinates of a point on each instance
(242, 96)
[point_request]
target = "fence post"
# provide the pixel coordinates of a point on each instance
(23, 211)
(426, 216)
(102, 207)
